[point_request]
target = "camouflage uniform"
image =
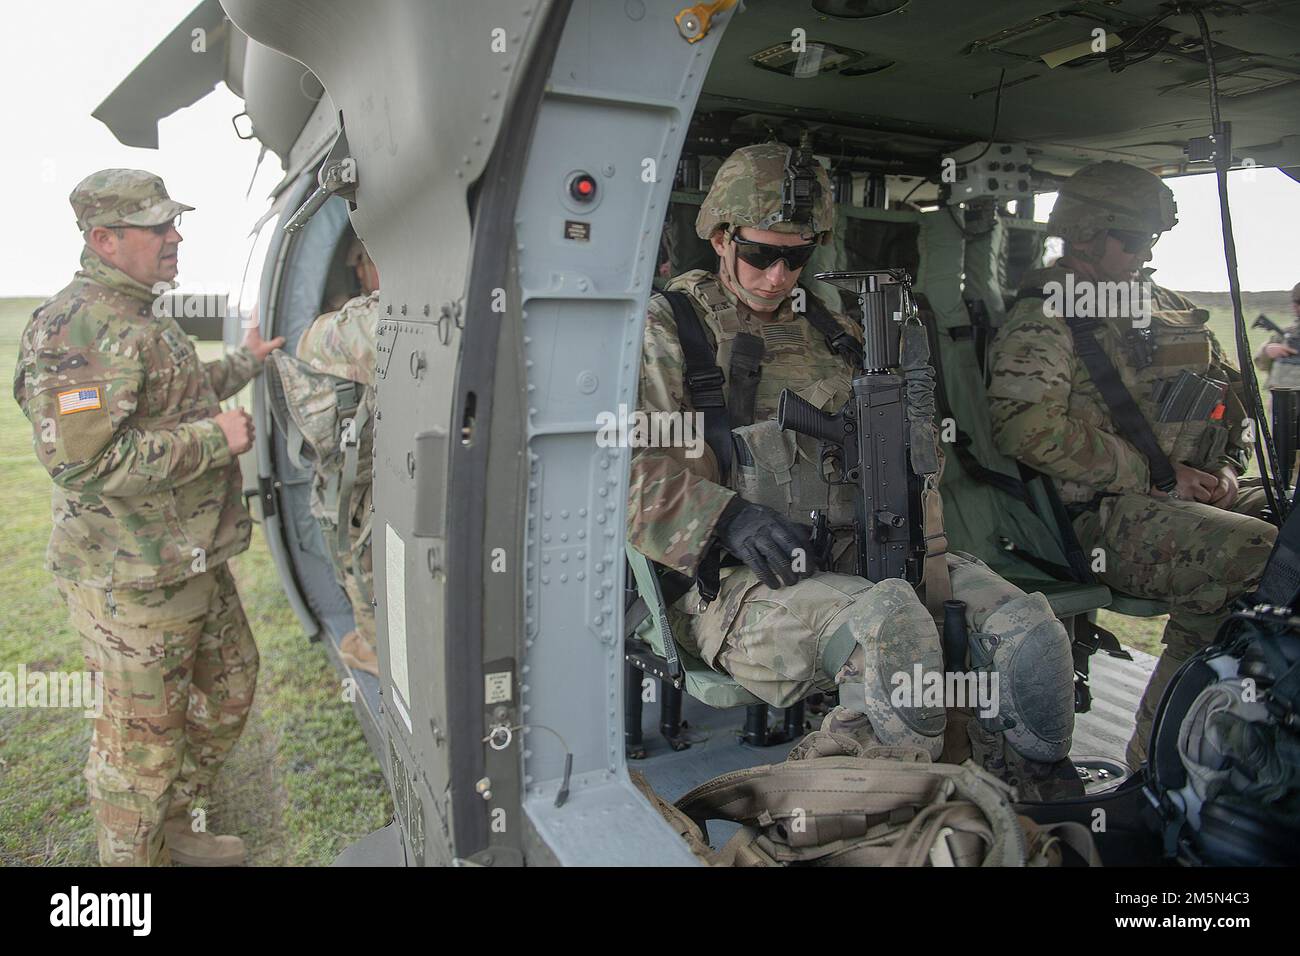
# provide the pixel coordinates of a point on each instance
(342, 344)
(828, 629)
(1047, 412)
(1269, 365)
(146, 510)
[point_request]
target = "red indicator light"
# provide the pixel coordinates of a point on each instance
(582, 187)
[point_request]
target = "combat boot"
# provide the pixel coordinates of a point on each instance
(201, 849)
(357, 654)
(1034, 780)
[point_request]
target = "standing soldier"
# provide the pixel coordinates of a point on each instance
(735, 339)
(342, 344)
(146, 512)
(1277, 348)
(1138, 416)
(1279, 359)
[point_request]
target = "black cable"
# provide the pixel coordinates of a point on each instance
(919, 184)
(1133, 61)
(1269, 466)
(997, 111)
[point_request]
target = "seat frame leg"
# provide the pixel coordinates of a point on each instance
(670, 715)
(756, 730)
(633, 710)
(794, 714)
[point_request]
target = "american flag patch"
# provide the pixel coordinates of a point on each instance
(79, 400)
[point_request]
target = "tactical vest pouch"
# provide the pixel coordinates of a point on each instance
(768, 472)
(765, 458)
(1184, 410)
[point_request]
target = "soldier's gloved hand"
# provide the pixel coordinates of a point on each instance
(775, 548)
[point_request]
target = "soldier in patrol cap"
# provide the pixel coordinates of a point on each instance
(146, 512)
(778, 627)
(1153, 483)
(342, 344)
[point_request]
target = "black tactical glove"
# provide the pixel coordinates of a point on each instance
(768, 542)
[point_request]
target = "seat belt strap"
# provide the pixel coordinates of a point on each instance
(703, 379)
(1128, 418)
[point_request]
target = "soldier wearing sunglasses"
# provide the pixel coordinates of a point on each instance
(1154, 488)
(734, 521)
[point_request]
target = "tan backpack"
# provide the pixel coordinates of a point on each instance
(883, 808)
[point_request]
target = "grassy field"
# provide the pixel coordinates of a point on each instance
(300, 786)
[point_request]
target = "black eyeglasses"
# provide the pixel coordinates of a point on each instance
(1135, 242)
(762, 255)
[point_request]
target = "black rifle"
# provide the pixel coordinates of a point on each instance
(882, 440)
(1289, 339)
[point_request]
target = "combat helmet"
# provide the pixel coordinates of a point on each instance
(1112, 195)
(769, 186)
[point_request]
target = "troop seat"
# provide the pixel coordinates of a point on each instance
(647, 654)
(1131, 606)
(1068, 598)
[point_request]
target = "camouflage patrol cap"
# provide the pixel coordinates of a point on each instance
(123, 197)
(1112, 195)
(747, 192)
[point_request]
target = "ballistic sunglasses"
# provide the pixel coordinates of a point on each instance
(1135, 242)
(762, 255)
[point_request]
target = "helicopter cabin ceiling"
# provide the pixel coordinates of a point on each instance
(900, 89)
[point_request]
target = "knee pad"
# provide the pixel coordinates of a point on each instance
(1028, 650)
(895, 636)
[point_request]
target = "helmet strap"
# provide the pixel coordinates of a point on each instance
(730, 274)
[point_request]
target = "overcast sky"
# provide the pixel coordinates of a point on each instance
(60, 58)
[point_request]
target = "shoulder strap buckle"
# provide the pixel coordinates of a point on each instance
(706, 387)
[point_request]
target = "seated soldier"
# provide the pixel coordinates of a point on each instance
(778, 627)
(342, 344)
(1155, 485)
